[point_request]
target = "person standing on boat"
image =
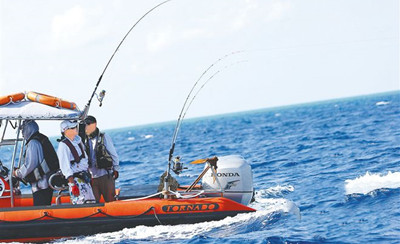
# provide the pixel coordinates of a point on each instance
(103, 161)
(34, 159)
(74, 164)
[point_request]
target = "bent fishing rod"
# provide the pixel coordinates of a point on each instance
(180, 118)
(185, 108)
(86, 110)
(205, 83)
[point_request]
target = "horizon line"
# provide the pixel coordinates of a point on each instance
(255, 110)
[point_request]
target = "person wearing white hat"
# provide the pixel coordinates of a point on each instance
(74, 164)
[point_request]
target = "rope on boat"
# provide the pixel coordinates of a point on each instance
(99, 211)
(155, 215)
(131, 217)
(141, 198)
(177, 194)
(23, 221)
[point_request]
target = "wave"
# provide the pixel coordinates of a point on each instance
(371, 182)
(264, 200)
(382, 103)
(276, 205)
(276, 191)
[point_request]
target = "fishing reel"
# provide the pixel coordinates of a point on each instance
(101, 96)
(178, 166)
(3, 171)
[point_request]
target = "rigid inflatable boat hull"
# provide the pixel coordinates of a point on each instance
(52, 222)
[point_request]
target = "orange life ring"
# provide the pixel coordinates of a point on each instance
(50, 100)
(12, 98)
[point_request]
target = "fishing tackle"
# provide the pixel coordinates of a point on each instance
(100, 97)
(86, 110)
(178, 123)
(182, 114)
(205, 83)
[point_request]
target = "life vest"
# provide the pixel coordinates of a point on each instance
(49, 164)
(103, 158)
(77, 159)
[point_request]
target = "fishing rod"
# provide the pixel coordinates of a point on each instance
(86, 110)
(205, 83)
(183, 113)
(179, 121)
(178, 168)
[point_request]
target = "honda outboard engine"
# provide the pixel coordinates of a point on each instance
(235, 176)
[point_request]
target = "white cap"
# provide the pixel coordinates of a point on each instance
(68, 124)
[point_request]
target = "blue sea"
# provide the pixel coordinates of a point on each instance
(326, 172)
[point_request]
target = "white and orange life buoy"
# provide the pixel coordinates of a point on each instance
(50, 100)
(11, 98)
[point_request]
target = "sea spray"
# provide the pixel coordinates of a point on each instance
(371, 182)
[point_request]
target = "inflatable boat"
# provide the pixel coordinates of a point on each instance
(224, 188)
(31, 224)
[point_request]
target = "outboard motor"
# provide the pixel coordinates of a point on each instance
(236, 178)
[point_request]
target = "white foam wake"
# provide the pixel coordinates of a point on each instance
(371, 182)
(263, 202)
(275, 205)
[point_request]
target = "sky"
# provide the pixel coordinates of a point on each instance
(284, 52)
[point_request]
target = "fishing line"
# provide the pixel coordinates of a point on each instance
(86, 110)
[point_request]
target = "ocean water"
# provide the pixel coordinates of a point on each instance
(325, 172)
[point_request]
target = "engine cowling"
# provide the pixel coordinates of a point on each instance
(236, 178)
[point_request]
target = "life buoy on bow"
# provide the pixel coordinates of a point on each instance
(12, 98)
(50, 100)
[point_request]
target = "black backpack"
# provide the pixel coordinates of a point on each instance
(50, 164)
(103, 158)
